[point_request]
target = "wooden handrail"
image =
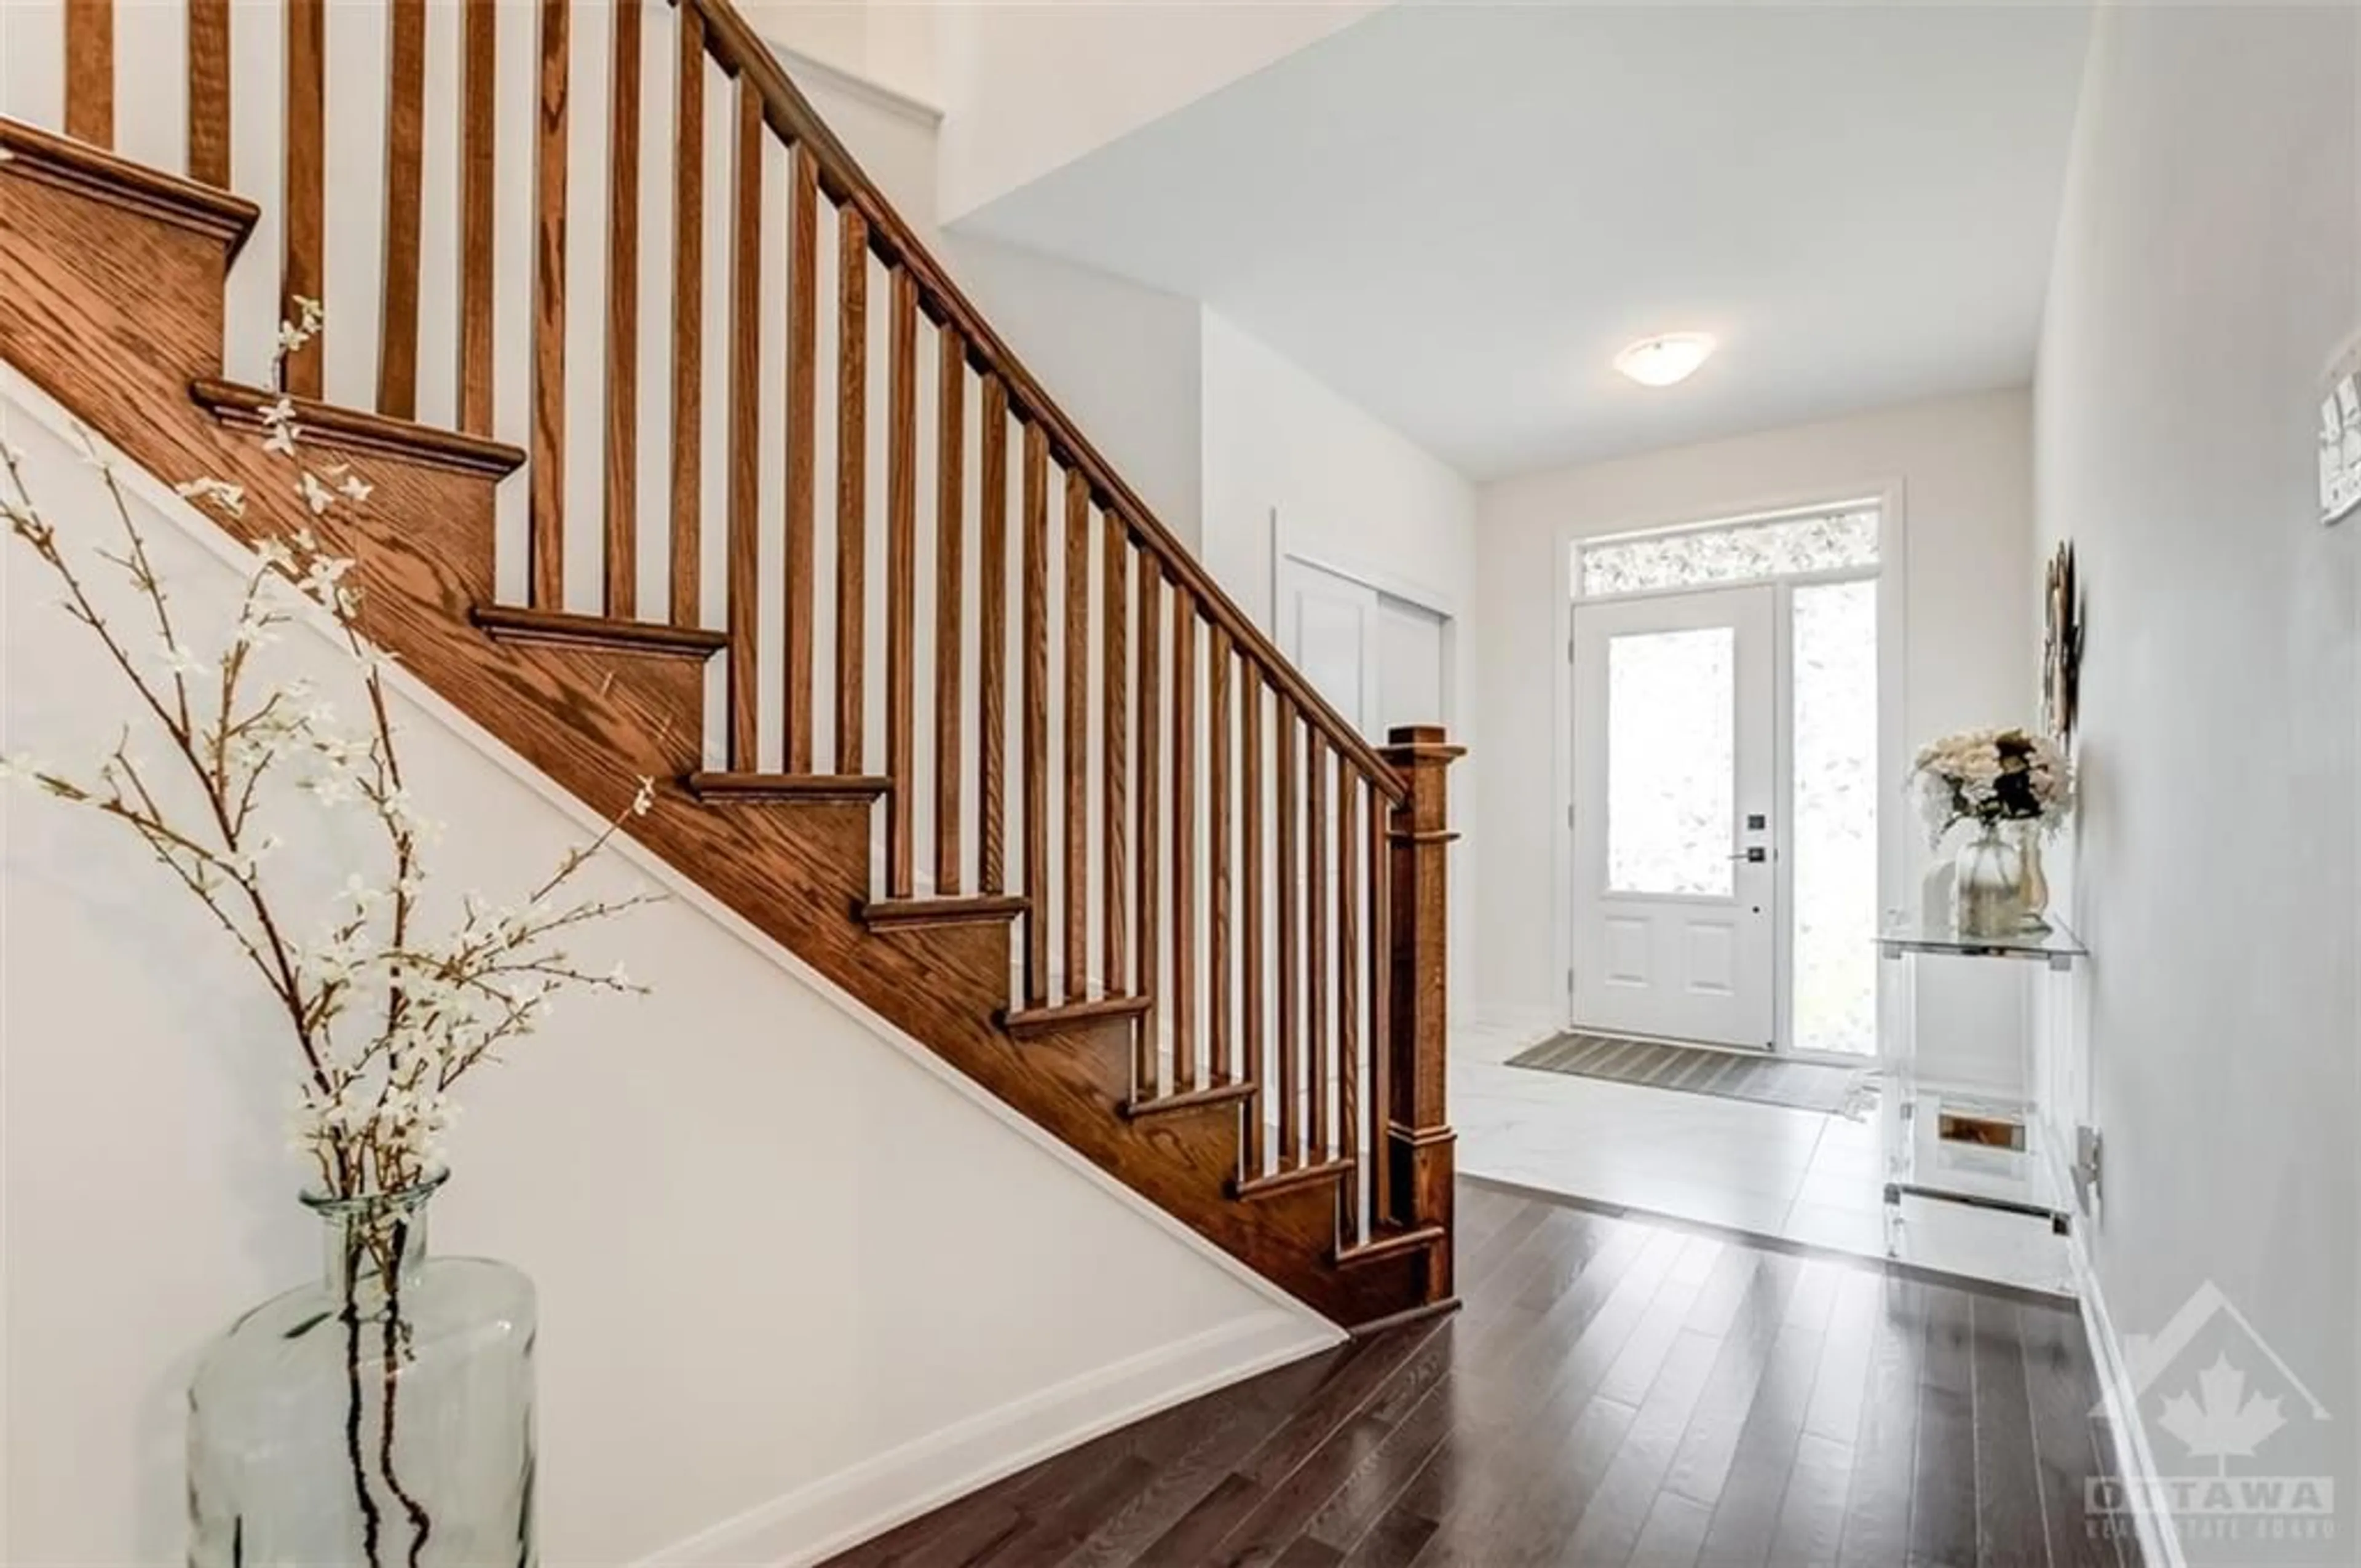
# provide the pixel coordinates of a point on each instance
(739, 51)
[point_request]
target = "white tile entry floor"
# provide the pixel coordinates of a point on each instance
(1799, 1176)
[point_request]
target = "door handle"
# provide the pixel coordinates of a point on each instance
(1754, 855)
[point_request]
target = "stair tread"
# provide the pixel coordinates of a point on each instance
(37, 154)
(1390, 1243)
(1026, 1023)
(525, 625)
(1189, 1100)
(1289, 1178)
(754, 786)
(237, 404)
(952, 910)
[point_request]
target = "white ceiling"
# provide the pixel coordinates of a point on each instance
(1456, 215)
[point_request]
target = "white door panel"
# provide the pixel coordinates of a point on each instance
(1327, 625)
(1673, 769)
(1409, 665)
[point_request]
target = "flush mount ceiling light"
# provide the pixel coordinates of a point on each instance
(1661, 361)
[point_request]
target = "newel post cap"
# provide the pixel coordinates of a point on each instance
(1420, 745)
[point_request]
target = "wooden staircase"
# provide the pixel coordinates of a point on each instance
(1223, 985)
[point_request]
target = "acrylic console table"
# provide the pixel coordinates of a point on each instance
(1967, 1146)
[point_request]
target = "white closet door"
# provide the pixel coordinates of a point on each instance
(1328, 626)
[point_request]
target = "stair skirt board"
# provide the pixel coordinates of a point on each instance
(19, 392)
(814, 1522)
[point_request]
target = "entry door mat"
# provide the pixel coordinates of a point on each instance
(1701, 1069)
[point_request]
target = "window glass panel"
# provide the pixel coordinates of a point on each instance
(1835, 836)
(1741, 552)
(1670, 762)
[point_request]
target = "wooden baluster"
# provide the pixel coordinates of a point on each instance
(621, 496)
(1289, 955)
(1076, 797)
(1217, 978)
(478, 171)
(307, 184)
(1348, 973)
(1251, 986)
(950, 584)
(405, 161)
(547, 536)
(688, 324)
(1379, 1148)
(209, 92)
(803, 454)
(1036, 613)
(744, 541)
(1320, 1044)
(852, 486)
(1147, 1056)
(901, 583)
(1420, 1191)
(90, 71)
(1185, 1073)
(992, 672)
(1115, 744)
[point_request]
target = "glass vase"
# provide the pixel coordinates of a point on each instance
(2032, 880)
(381, 1416)
(1988, 874)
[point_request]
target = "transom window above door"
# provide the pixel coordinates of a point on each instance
(1741, 550)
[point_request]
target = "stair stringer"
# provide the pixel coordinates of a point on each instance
(115, 311)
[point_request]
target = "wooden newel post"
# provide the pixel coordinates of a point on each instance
(1418, 1135)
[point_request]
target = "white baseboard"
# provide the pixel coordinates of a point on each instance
(2159, 1539)
(815, 1521)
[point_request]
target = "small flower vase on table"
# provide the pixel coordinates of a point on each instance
(2009, 787)
(2033, 881)
(1988, 885)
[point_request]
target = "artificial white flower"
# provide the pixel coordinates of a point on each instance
(278, 424)
(230, 498)
(316, 495)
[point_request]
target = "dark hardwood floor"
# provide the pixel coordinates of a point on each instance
(1615, 1391)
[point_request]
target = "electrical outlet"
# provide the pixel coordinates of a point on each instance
(2087, 1150)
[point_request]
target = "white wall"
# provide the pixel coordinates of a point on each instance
(1353, 492)
(1120, 358)
(888, 42)
(1963, 465)
(796, 1278)
(1029, 87)
(2207, 269)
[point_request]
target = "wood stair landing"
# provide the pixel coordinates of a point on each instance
(112, 283)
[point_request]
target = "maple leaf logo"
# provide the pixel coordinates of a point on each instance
(2223, 1421)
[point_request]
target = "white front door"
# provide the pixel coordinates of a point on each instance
(1675, 817)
